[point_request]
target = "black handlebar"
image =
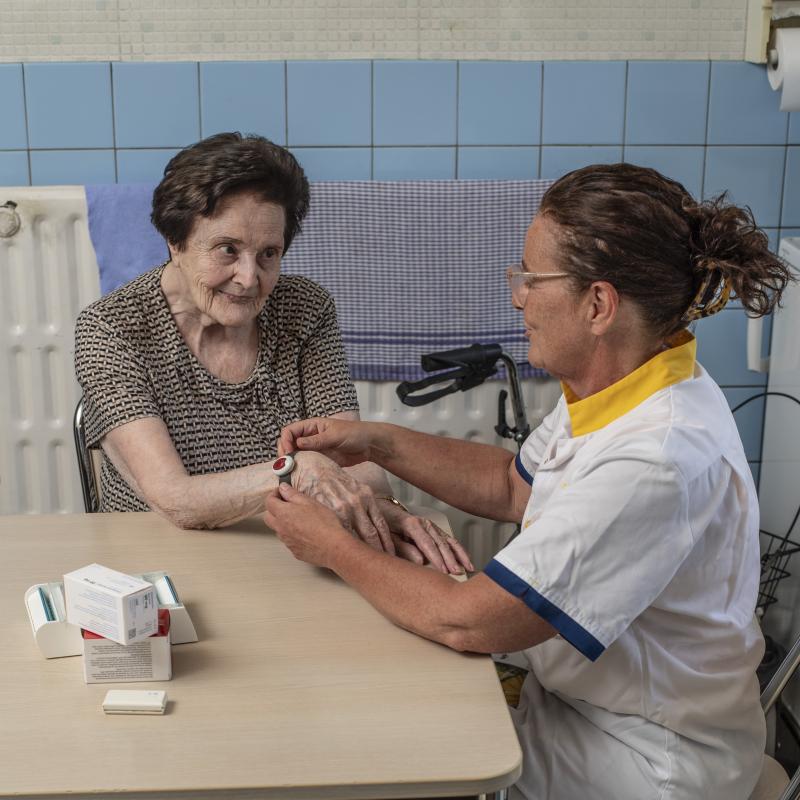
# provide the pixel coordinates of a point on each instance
(478, 356)
(466, 368)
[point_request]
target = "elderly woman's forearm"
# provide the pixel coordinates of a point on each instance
(215, 500)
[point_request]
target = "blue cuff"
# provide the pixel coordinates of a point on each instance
(575, 634)
(524, 474)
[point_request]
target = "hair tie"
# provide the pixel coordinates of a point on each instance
(703, 306)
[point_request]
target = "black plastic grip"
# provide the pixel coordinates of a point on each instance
(476, 355)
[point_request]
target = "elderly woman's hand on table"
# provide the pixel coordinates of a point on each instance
(352, 502)
(415, 538)
(420, 540)
(313, 532)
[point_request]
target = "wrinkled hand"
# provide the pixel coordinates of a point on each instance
(345, 442)
(310, 531)
(353, 502)
(419, 540)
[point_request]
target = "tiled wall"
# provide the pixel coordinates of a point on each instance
(713, 126)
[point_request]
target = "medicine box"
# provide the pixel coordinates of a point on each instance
(111, 604)
(150, 659)
(56, 638)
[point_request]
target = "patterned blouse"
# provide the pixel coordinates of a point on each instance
(132, 362)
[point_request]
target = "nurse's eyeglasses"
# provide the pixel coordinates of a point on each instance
(520, 281)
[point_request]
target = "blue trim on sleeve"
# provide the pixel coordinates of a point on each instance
(524, 474)
(575, 634)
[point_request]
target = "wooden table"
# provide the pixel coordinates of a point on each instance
(296, 689)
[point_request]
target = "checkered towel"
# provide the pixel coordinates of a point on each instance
(415, 266)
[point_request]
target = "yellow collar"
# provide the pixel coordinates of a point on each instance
(662, 370)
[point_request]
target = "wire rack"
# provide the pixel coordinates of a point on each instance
(775, 554)
(776, 550)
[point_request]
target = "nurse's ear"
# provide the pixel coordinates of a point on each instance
(602, 305)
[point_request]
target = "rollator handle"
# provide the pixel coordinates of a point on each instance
(478, 356)
(462, 379)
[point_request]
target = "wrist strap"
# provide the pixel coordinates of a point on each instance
(393, 500)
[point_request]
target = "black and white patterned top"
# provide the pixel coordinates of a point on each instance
(132, 362)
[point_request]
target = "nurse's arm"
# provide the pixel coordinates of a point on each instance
(475, 615)
(477, 478)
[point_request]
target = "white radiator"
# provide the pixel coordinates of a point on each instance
(48, 273)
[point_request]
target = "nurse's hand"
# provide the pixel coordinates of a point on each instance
(311, 531)
(353, 502)
(345, 442)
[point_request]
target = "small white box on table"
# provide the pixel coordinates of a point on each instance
(111, 604)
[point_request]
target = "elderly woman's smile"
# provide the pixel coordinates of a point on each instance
(230, 262)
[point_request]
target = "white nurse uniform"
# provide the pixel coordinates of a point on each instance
(639, 544)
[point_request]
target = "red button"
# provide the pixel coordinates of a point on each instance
(280, 463)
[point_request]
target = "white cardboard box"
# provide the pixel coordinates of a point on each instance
(105, 661)
(57, 638)
(111, 604)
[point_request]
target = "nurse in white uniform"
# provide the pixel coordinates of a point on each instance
(630, 591)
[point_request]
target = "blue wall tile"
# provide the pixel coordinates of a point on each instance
(683, 164)
(743, 109)
(794, 127)
(791, 188)
(557, 161)
(749, 419)
(584, 102)
(499, 102)
(329, 103)
(722, 349)
(774, 238)
(156, 105)
(755, 468)
(72, 167)
(667, 102)
(12, 100)
(335, 163)
(245, 96)
(69, 105)
(142, 166)
(14, 168)
(414, 102)
(414, 163)
(752, 175)
(498, 163)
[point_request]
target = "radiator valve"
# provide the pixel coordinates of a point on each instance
(9, 220)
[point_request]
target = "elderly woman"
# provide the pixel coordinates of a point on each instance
(190, 371)
(631, 588)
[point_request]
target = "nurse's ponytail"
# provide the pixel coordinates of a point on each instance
(731, 257)
(677, 259)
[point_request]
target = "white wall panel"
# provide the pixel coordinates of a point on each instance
(186, 30)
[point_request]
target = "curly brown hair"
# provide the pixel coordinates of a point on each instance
(647, 236)
(197, 178)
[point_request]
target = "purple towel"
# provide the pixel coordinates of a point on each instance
(124, 239)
